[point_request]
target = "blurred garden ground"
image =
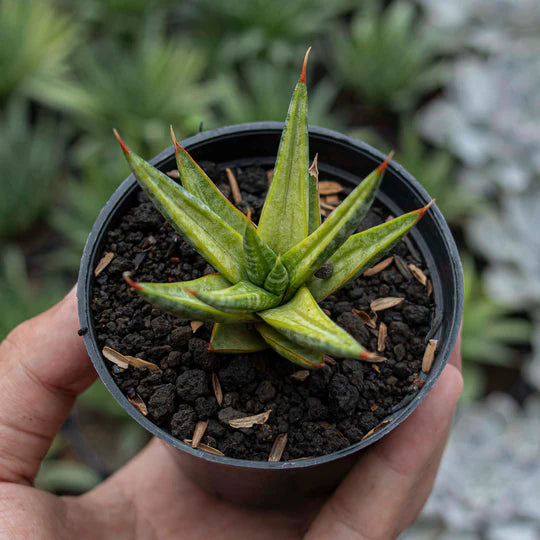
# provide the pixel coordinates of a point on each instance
(454, 87)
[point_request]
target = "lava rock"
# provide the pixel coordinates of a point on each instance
(237, 374)
(161, 402)
(183, 422)
(399, 332)
(191, 384)
(206, 407)
(343, 396)
(354, 325)
(201, 356)
(265, 392)
(416, 315)
(180, 336)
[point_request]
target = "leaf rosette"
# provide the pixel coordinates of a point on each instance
(266, 291)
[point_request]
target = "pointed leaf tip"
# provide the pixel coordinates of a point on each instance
(371, 357)
(382, 167)
(422, 211)
(122, 144)
(173, 137)
(130, 282)
(304, 65)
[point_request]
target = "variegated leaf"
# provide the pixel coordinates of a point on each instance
(259, 259)
(212, 237)
(236, 338)
(277, 279)
(197, 183)
(243, 297)
(302, 321)
(173, 298)
(307, 358)
(304, 259)
(361, 251)
(284, 220)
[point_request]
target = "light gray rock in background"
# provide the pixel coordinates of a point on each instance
(488, 483)
(489, 117)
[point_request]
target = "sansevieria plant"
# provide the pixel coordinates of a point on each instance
(266, 291)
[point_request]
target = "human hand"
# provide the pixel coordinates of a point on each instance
(44, 366)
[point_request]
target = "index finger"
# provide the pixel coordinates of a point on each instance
(43, 367)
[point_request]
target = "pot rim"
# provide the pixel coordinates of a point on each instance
(191, 143)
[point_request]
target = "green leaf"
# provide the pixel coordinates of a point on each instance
(173, 298)
(307, 358)
(197, 183)
(244, 297)
(361, 251)
(259, 259)
(214, 239)
(236, 338)
(302, 321)
(314, 216)
(284, 218)
(304, 259)
(277, 279)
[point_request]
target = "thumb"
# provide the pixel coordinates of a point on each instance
(43, 367)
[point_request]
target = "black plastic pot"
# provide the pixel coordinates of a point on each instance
(285, 483)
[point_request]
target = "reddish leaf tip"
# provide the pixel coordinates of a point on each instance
(173, 137)
(372, 357)
(303, 72)
(130, 282)
(122, 144)
(382, 167)
(422, 211)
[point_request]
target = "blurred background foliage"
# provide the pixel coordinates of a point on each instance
(416, 75)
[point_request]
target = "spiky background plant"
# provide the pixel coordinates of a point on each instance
(266, 291)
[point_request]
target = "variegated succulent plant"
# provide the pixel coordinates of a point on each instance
(267, 289)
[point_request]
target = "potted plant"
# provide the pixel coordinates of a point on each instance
(268, 356)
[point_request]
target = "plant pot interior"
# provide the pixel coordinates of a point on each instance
(330, 411)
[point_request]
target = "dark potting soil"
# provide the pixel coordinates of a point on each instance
(334, 407)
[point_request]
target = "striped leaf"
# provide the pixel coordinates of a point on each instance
(173, 298)
(236, 338)
(304, 259)
(197, 183)
(212, 237)
(259, 259)
(277, 279)
(361, 251)
(284, 220)
(307, 358)
(244, 297)
(302, 321)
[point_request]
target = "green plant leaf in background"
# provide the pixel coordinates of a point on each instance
(139, 88)
(31, 161)
(21, 297)
(81, 199)
(490, 331)
(36, 41)
(235, 31)
(385, 55)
